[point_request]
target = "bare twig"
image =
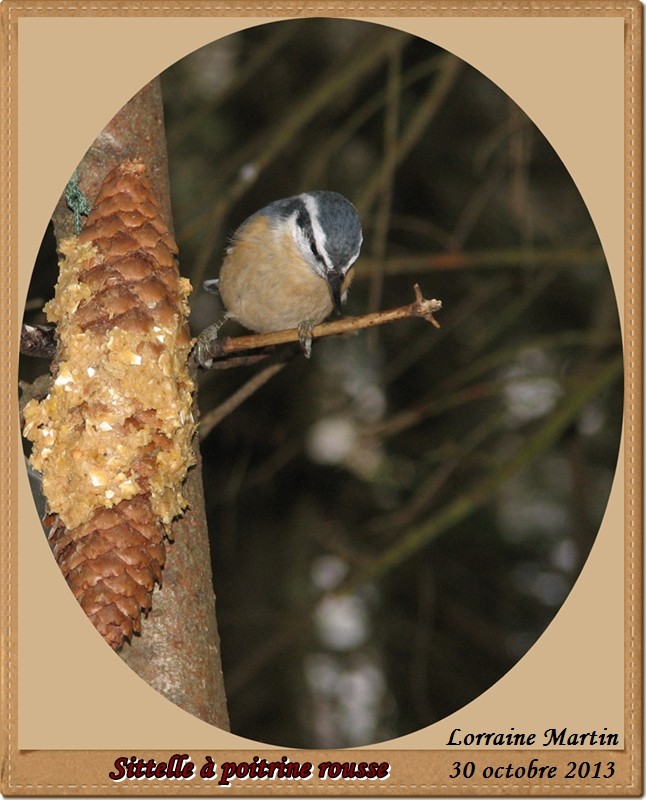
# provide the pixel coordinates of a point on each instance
(221, 348)
(217, 414)
(241, 361)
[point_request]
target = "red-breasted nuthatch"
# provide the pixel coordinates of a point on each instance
(289, 264)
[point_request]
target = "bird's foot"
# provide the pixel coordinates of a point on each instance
(305, 336)
(203, 349)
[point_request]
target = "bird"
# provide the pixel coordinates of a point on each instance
(289, 265)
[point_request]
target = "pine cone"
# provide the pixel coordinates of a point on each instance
(111, 563)
(113, 437)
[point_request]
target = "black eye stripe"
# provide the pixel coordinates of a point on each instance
(304, 222)
(303, 219)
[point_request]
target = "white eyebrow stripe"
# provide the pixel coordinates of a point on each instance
(353, 259)
(317, 230)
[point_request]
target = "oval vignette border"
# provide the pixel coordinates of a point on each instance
(28, 773)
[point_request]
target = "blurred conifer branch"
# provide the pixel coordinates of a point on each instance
(520, 258)
(415, 128)
(244, 168)
(463, 389)
(384, 207)
(341, 135)
(416, 538)
(250, 70)
(481, 491)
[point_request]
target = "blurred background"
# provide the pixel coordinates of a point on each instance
(395, 521)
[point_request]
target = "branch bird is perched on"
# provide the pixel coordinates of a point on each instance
(289, 265)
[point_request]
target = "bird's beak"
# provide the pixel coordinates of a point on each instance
(335, 281)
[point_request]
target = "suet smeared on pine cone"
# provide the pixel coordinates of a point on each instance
(112, 439)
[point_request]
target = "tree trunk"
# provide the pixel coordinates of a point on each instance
(178, 651)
